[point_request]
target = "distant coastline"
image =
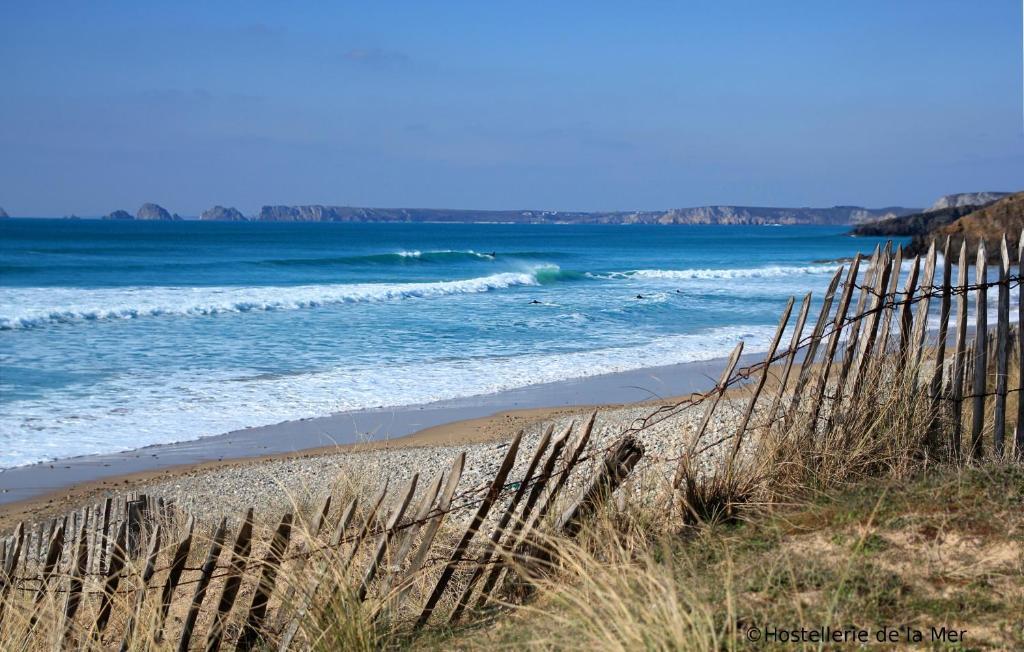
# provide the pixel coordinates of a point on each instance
(712, 215)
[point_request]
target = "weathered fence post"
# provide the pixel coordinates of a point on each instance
(820, 387)
(252, 632)
(960, 361)
(140, 596)
(980, 350)
(114, 570)
(1002, 349)
(794, 345)
(1019, 438)
(233, 581)
(485, 506)
(206, 573)
(75, 586)
(385, 537)
(499, 528)
(812, 348)
(10, 567)
(173, 577)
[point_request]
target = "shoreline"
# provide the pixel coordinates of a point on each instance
(52, 486)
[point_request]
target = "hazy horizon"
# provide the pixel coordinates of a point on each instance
(582, 107)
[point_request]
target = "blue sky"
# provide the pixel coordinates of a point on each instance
(588, 105)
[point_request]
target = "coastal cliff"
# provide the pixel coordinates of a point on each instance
(988, 223)
(729, 215)
(961, 199)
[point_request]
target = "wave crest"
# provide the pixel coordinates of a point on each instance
(34, 307)
(717, 274)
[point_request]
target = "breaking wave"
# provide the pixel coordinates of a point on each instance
(34, 307)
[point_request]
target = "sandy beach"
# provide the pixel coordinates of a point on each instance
(274, 465)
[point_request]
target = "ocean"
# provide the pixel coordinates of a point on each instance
(116, 335)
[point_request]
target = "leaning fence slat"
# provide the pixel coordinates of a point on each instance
(205, 574)
(878, 260)
(741, 429)
(53, 553)
(1002, 349)
(114, 570)
(513, 538)
(716, 396)
(104, 534)
(499, 528)
(833, 345)
(74, 597)
(10, 567)
(1019, 436)
(906, 314)
(239, 558)
(144, 578)
(864, 358)
(292, 628)
(303, 557)
(791, 352)
(891, 294)
(960, 361)
(252, 633)
(812, 347)
(404, 540)
(367, 525)
(921, 318)
(173, 577)
(980, 350)
(385, 538)
(485, 506)
(940, 344)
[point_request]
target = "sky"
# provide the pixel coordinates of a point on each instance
(486, 105)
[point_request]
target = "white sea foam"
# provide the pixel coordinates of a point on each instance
(31, 307)
(717, 274)
(129, 411)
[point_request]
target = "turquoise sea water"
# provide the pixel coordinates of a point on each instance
(115, 335)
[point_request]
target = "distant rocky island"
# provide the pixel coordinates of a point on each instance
(148, 211)
(3, 214)
(222, 214)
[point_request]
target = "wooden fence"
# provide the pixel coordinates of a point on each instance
(109, 566)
